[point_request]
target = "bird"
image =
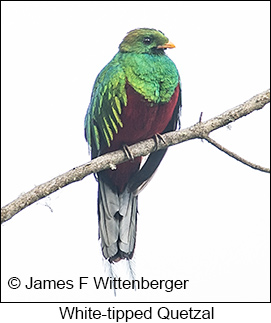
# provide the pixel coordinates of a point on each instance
(136, 96)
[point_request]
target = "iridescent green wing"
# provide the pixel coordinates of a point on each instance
(103, 115)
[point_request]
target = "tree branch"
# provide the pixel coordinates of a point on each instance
(200, 130)
(237, 157)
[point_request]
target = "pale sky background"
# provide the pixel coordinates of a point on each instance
(204, 217)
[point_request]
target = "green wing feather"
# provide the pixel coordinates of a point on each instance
(108, 96)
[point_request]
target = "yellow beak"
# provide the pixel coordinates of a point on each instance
(167, 45)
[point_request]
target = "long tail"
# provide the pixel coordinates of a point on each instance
(117, 222)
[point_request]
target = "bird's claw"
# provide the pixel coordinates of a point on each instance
(128, 152)
(156, 138)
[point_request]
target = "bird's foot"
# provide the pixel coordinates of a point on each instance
(128, 152)
(158, 137)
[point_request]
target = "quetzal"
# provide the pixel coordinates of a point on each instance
(136, 96)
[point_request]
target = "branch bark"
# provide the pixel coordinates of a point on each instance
(200, 130)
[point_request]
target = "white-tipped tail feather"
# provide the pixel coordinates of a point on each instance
(117, 222)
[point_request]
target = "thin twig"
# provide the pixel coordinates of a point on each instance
(200, 117)
(235, 156)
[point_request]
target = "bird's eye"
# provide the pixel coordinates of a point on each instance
(147, 40)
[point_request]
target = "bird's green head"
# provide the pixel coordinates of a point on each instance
(145, 41)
